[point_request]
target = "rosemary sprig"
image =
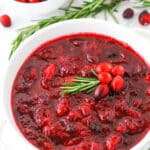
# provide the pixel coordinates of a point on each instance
(86, 10)
(145, 3)
(80, 84)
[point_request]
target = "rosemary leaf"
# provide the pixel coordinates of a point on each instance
(80, 84)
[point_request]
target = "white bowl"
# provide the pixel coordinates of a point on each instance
(56, 30)
(34, 10)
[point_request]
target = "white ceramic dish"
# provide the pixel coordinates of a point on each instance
(34, 10)
(56, 30)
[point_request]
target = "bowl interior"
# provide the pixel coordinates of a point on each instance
(60, 29)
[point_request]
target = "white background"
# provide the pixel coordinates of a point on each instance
(19, 21)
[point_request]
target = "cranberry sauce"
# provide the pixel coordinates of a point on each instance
(52, 121)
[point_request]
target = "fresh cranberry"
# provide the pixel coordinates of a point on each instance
(104, 77)
(5, 20)
(101, 91)
(118, 70)
(117, 83)
(104, 67)
(128, 13)
(144, 18)
(63, 107)
(113, 141)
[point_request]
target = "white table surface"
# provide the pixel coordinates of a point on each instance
(8, 34)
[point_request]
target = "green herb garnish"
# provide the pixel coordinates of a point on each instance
(80, 84)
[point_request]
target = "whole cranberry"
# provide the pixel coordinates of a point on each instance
(144, 18)
(101, 91)
(105, 77)
(104, 67)
(118, 70)
(5, 20)
(117, 83)
(128, 13)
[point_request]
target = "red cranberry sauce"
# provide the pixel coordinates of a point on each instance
(52, 121)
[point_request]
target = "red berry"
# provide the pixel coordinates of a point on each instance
(144, 18)
(5, 20)
(101, 91)
(117, 83)
(49, 71)
(128, 13)
(104, 67)
(104, 77)
(118, 70)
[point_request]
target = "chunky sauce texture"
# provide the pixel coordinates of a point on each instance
(52, 121)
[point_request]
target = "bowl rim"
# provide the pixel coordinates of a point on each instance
(18, 52)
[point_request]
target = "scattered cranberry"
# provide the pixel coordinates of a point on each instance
(104, 67)
(105, 77)
(118, 70)
(101, 91)
(128, 13)
(117, 83)
(5, 20)
(144, 18)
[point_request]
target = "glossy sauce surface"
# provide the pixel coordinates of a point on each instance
(52, 121)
